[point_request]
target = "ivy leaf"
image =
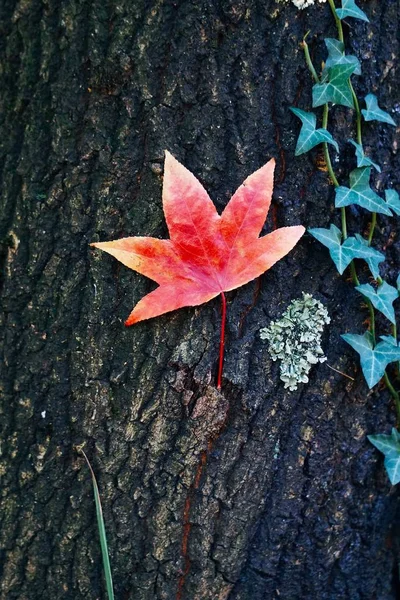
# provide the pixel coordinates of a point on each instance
(331, 238)
(337, 56)
(362, 159)
(388, 347)
(208, 253)
(360, 248)
(389, 445)
(360, 193)
(389, 339)
(350, 9)
(352, 247)
(392, 466)
(337, 90)
(309, 136)
(382, 298)
(372, 365)
(393, 200)
(374, 113)
(374, 360)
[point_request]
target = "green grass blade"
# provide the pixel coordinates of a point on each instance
(102, 532)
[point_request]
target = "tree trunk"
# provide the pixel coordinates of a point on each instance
(251, 494)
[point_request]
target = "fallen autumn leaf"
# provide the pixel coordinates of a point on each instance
(207, 253)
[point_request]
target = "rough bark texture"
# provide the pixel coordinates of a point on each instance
(287, 500)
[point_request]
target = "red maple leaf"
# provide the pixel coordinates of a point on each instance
(207, 254)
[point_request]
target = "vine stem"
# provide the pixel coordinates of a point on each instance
(337, 20)
(372, 319)
(327, 156)
(394, 395)
(309, 62)
(359, 141)
(221, 341)
(329, 163)
(394, 334)
(358, 114)
(325, 145)
(372, 228)
(358, 121)
(354, 276)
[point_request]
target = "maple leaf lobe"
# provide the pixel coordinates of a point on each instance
(207, 253)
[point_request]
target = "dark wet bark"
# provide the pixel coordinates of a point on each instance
(288, 500)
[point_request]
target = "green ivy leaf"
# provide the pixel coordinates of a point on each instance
(362, 160)
(337, 90)
(353, 247)
(360, 248)
(389, 445)
(331, 238)
(309, 136)
(337, 56)
(382, 298)
(373, 366)
(374, 360)
(350, 9)
(389, 339)
(392, 466)
(360, 193)
(393, 200)
(389, 348)
(374, 113)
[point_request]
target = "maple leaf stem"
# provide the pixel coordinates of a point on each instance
(221, 341)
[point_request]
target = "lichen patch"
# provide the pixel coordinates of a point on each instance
(301, 4)
(295, 339)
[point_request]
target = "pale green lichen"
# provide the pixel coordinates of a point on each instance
(302, 3)
(295, 339)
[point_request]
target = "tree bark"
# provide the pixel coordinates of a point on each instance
(252, 493)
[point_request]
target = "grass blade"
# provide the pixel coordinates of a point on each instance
(102, 532)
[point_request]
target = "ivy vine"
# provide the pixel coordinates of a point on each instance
(334, 86)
